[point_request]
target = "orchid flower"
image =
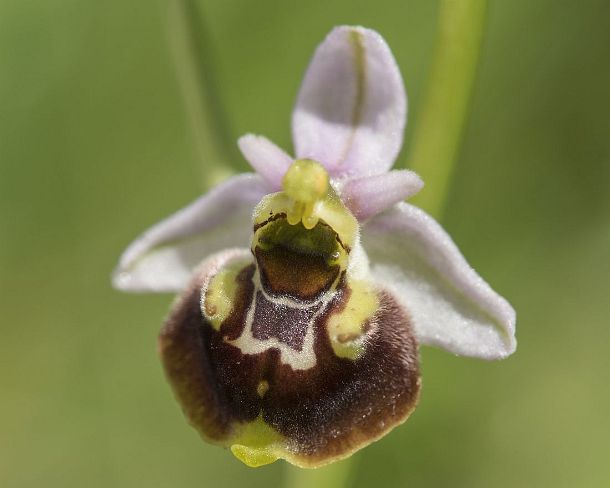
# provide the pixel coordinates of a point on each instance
(308, 286)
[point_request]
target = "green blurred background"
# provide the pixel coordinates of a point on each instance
(95, 145)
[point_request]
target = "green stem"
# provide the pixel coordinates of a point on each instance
(334, 475)
(196, 73)
(446, 104)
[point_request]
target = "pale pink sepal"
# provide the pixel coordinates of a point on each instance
(451, 306)
(162, 259)
(351, 109)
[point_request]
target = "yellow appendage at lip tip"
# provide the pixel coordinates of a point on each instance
(257, 444)
(306, 182)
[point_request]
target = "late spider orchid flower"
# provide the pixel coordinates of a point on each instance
(304, 344)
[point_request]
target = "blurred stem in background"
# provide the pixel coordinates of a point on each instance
(435, 143)
(446, 103)
(434, 151)
(194, 60)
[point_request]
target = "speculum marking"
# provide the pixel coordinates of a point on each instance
(274, 323)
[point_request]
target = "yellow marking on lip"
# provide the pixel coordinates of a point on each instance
(220, 295)
(345, 328)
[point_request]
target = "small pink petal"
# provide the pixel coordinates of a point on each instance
(265, 157)
(368, 196)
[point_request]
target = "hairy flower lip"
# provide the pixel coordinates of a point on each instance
(317, 414)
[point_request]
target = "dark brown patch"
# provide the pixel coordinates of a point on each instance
(300, 276)
(189, 347)
(325, 412)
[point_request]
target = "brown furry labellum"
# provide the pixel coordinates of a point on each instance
(272, 371)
